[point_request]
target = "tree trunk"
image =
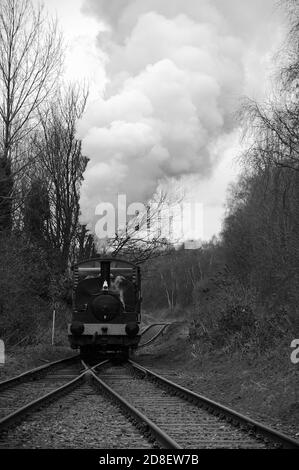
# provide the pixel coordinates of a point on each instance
(6, 186)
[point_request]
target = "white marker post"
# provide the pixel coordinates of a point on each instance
(2, 353)
(295, 361)
(53, 325)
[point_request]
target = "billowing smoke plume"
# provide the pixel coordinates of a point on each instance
(176, 71)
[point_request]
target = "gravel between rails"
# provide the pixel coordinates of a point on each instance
(83, 419)
(16, 396)
(186, 423)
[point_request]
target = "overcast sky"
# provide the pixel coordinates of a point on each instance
(166, 79)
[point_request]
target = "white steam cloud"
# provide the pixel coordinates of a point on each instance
(176, 71)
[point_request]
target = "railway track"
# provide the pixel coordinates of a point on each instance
(186, 418)
(150, 333)
(22, 394)
(78, 405)
(74, 410)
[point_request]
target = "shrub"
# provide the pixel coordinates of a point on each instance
(25, 293)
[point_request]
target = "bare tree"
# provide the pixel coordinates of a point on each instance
(273, 125)
(290, 54)
(84, 246)
(30, 62)
(61, 165)
(273, 128)
(143, 238)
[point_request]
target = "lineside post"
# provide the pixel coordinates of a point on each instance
(53, 325)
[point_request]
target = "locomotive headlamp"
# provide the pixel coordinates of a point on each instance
(132, 329)
(77, 328)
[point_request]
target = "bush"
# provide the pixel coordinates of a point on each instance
(25, 290)
(229, 316)
(237, 319)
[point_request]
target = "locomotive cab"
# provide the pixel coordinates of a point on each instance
(106, 305)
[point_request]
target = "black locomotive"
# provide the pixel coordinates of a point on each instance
(106, 306)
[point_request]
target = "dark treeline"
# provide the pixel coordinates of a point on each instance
(41, 168)
(242, 289)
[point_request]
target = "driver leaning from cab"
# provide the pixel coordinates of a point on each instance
(117, 285)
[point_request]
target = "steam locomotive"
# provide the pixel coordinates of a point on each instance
(106, 306)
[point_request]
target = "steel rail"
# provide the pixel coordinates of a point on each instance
(146, 328)
(220, 410)
(33, 372)
(39, 402)
(54, 394)
(99, 364)
(157, 434)
(163, 327)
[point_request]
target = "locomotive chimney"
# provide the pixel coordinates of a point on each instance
(105, 272)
